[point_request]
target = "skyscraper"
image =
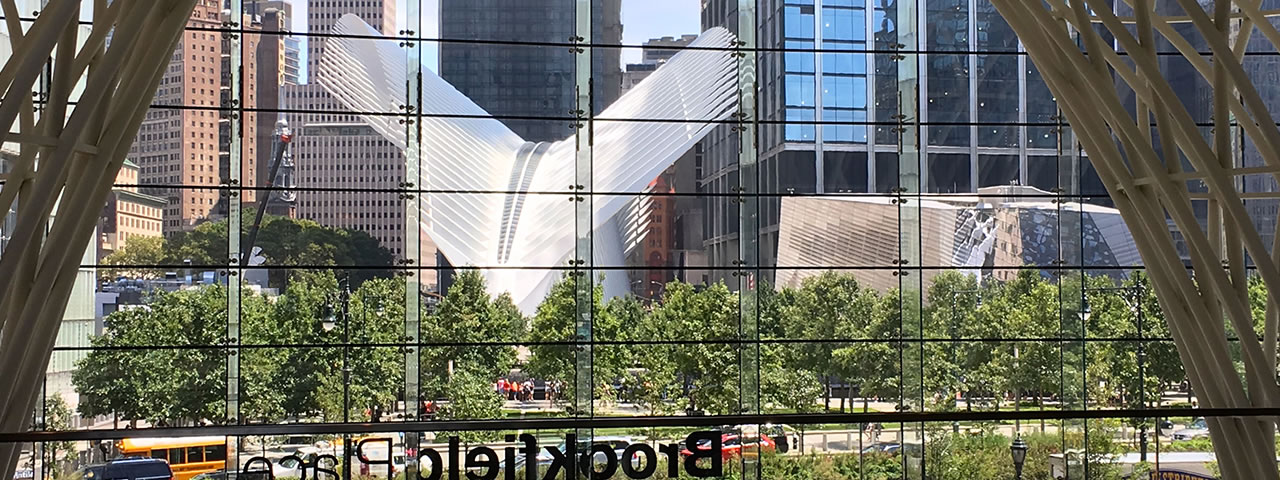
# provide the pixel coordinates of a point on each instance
(291, 47)
(845, 103)
(341, 151)
(528, 80)
(656, 52)
(185, 141)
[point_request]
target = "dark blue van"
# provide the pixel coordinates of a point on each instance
(129, 469)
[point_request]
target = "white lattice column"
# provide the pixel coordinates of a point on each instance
(1148, 184)
(68, 160)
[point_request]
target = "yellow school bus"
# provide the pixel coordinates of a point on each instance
(187, 456)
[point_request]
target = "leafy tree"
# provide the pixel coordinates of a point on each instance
(206, 244)
(554, 321)
(616, 323)
(873, 364)
(57, 417)
(138, 251)
(1162, 359)
(789, 388)
(707, 365)
(376, 317)
(656, 388)
(184, 385)
(261, 375)
(1037, 368)
(475, 332)
(296, 318)
(826, 307)
(951, 304)
(286, 241)
(1131, 374)
(472, 398)
(773, 306)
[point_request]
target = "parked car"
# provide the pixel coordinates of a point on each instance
(129, 469)
(1197, 429)
(734, 445)
(291, 444)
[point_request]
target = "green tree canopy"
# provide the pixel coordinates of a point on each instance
(705, 361)
(474, 333)
(137, 251)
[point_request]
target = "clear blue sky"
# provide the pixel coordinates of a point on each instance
(641, 20)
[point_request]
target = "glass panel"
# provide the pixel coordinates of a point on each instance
(846, 207)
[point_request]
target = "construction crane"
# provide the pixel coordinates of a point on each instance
(280, 156)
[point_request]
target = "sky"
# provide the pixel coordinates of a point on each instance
(641, 20)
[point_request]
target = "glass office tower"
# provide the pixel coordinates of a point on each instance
(833, 121)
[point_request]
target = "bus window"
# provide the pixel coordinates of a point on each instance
(215, 453)
(175, 456)
(160, 453)
(195, 454)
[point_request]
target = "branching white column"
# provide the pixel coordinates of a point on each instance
(68, 160)
(1147, 181)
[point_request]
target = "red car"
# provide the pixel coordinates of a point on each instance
(733, 445)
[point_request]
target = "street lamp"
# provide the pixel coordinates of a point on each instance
(1019, 451)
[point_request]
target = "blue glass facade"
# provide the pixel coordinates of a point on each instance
(977, 95)
(832, 99)
(839, 93)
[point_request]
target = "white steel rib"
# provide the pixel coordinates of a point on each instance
(465, 153)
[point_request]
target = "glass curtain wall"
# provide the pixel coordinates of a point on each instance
(783, 238)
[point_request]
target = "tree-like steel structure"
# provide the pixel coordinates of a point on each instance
(1090, 76)
(68, 159)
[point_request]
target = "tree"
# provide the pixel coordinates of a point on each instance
(376, 317)
(553, 324)
(286, 242)
(472, 331)
(554, 321)
(656, 388)
(298, 320)
(183, 385)
(952, 301)
(827, 307)
(472, 398)
(790, 388)
(138, 251)
(873, 364)
(1037, 365)
(261, 369)
(57, 417)
(705, 362)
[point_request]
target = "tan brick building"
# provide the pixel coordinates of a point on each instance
(129, 213)
(182, 146)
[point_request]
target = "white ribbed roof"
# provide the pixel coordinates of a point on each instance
(688, 94)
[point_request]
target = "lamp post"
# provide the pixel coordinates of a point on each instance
(1019, 451)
